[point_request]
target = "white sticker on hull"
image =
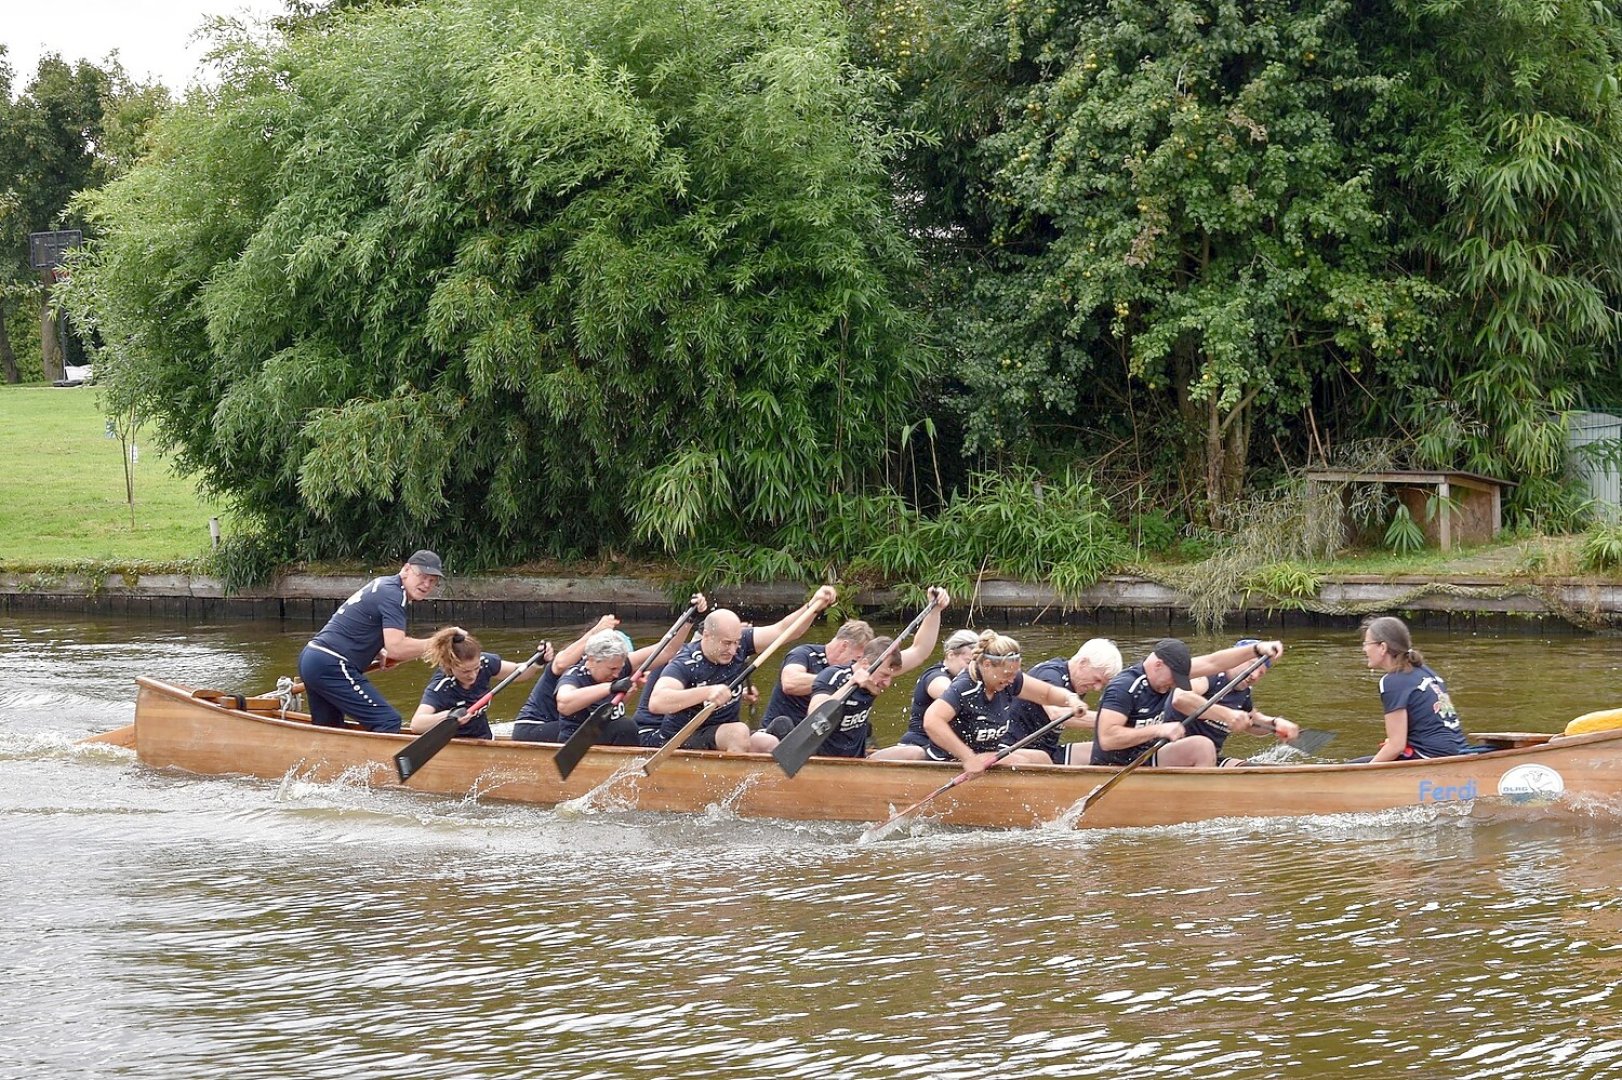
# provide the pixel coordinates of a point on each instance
(1531, 783)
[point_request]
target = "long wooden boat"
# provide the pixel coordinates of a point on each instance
(209, 732)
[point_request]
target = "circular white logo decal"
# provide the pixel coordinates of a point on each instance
(1531, 783)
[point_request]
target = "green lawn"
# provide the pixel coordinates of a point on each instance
(62, 487)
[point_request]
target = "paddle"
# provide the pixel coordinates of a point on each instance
(1155, 744)
(876, 831)
(809, 734)
(585, 736)
(422, 749)
(789, 633)
(1310, 740)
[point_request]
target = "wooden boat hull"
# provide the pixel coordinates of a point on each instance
(174, 728)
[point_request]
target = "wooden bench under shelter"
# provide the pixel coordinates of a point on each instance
(1471, 509)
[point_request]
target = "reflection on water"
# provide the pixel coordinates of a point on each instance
(164, 925)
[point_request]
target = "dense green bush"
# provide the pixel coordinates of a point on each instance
(518, 278)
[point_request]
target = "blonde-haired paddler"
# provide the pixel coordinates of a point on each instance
(970, 721)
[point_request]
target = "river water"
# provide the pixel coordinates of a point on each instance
(165, 925)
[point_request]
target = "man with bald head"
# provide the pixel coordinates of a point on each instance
(701, 671)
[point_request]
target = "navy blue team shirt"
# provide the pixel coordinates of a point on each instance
(814, 658)
(1236, 699)
(355, 631)
(542, 705)
(855, 717)
(1130, 694)
(921, 701)
(579, 677)
(981, 722)
(1433, 723)
(1054, 672)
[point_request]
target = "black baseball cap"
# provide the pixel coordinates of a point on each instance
(427, 562)
(1174, 654)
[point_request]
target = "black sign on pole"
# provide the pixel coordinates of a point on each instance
(46, 249)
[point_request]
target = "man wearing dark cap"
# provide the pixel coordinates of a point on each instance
(1142, 704)
(369, 626)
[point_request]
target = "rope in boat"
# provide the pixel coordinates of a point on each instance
(284, 694)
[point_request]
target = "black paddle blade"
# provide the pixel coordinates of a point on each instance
(584, 738)
(1310, 742)
(421, 750)
(798, 746)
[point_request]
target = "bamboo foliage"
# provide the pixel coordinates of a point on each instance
(519, 279)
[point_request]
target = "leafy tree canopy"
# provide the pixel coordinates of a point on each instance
(517, 278)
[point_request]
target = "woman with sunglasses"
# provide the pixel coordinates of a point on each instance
(971, 719)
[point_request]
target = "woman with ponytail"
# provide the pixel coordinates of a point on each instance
(1420, 720)
(970, 721)
(464, 673)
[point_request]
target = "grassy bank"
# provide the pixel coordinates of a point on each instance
(62, 499)
(62, 491)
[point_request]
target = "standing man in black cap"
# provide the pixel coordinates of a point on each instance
(369, 626)
(1140, 705)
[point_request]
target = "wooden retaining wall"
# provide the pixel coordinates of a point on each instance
(1128, 602)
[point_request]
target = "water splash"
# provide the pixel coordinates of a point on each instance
(602, 797)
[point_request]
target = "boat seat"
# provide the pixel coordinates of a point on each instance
(1507, 740)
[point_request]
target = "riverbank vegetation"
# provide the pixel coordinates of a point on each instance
(885, 290)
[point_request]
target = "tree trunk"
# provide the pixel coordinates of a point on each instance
(50, 343)
(8, 359)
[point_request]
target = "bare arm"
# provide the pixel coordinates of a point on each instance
(1189, 703)
(938, 726)
(699, 601)
(929, 631)
(1231, 659)
(820, 600)
(571, 653)
(795, 680)
(1396, 737)
(398, 646)
(1044, 693)
(426, 717)
(669, 695)
(571, 699)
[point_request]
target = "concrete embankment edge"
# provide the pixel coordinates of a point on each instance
(1120, 601)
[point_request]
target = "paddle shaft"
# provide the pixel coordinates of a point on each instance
(422, 749)
(1155, 744)
(965, 776)
(789, 633)
(808, 736)
(585, 736)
